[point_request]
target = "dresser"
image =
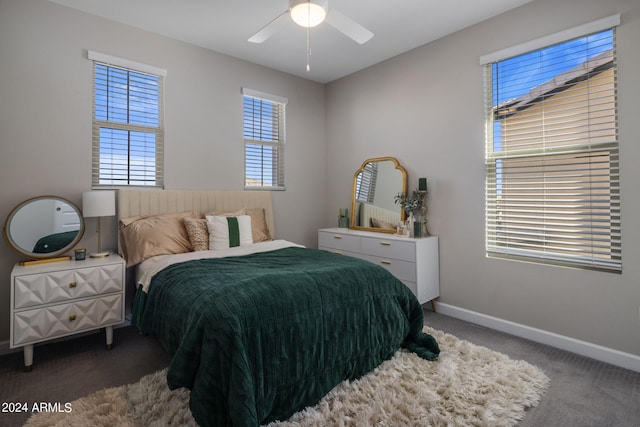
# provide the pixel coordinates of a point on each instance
(58, 299)
(415, 261)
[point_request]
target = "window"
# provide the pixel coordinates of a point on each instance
(366, 183)
(127, 123)
(552, 162)
(264, 138)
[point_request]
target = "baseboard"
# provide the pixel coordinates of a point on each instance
(5, 349)
(583, 348)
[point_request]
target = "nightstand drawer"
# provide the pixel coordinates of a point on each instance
(403, 270)
(40, 324)
(339, 241)
(389, 248)
(37, 289)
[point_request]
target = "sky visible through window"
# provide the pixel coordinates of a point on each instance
(516, 76)
(127, 157)
(260, 125)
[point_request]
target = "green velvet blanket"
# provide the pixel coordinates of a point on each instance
(259, 337)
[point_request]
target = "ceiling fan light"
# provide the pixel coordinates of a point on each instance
(308, 14)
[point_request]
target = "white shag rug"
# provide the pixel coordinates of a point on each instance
(468, 385)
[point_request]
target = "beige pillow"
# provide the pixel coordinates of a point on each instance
(378, 223)
(144, 237)
(259, 228)
(197, 232)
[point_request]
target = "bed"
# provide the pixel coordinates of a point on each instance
(259, 331)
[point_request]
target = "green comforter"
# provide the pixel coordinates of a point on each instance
(259, 337)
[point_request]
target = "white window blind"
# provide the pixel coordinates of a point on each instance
(366, 183)
(264, 140)
(552, 161)
(128, 143)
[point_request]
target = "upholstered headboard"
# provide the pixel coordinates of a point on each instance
(142, 202)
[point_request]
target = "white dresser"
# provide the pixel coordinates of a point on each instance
(414, 261)
(57, 299)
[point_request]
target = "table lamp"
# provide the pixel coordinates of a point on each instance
(98, 204)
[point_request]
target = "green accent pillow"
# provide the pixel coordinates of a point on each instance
(228, 232)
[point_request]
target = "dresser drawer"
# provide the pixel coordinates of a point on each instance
(37, 289)
(341, 252)
(339, 241)
(403, 270)
(40, 324)
(389, 248)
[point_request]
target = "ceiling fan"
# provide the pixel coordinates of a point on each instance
(310, 13)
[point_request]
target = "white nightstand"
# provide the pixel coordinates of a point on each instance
(58, 299)
(415, 261)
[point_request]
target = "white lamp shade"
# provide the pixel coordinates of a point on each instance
(308, 13)
(98, 203)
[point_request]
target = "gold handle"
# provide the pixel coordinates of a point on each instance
(337, 236)
(73, 284)
(72, 318)
(384, 261)
(385, 243)
(337, 252)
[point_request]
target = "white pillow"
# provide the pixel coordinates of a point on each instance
(227, 231)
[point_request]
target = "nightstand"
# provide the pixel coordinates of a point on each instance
(59, 299)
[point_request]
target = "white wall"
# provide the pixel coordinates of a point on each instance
(46, 107)
(426, 108)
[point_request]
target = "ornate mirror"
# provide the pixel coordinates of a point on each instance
(44, 227)
(375, 185)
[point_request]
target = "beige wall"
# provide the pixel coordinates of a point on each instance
(426, 108)
(45, 119)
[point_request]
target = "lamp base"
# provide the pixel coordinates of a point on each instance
(99, 254)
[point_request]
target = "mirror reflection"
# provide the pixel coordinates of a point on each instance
(44, 227)
(375, 185)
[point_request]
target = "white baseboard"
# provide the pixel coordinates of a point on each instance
(583, 348)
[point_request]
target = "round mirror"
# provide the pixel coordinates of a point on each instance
(44, 227)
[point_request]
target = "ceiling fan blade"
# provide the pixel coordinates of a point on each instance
(271, 28)
(348, 26)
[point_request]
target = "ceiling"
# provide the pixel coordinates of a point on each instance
(225, 26)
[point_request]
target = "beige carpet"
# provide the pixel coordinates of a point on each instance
(469, 385)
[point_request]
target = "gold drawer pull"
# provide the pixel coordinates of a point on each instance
(72, 318)
(337, 236)
(385, 243)
(73, 284)
(337, 252)
(384, 261)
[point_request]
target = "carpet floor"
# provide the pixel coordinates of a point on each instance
(468, 385)
(582, 392)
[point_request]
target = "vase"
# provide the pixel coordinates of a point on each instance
(417, 227)
(411, 224)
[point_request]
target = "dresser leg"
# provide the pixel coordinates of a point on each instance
(109, 333)
(433, 305)
(28, 357)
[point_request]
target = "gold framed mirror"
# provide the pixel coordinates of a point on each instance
(375, 185)
(43, 227)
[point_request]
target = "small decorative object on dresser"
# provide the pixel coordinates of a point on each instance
(55, 300)
(415, 261)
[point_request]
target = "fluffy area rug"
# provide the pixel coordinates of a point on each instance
(468, 385)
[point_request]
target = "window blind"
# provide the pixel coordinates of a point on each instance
(552, 160)
(366, 183)
(264, 139)
(128, 146)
